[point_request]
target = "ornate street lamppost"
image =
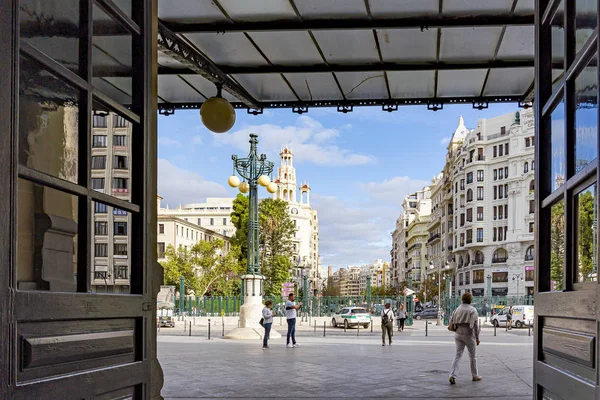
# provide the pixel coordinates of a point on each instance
(517, 277)
(254, 170)
(439, 313)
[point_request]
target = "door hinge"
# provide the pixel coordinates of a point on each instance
(146, 306)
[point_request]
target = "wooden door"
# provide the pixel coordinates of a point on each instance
(77, 198)
(566, 167)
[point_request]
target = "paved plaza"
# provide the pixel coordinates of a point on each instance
(342, 365)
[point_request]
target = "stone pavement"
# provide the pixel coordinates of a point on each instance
(343, 366)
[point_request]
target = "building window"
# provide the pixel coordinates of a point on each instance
(506, 211)
(469, 236)
(531, 225)
(118, 211)
(526, 167)
(500, 234)
(212, 221)
(495, 192)
(499, 277)
(161, 249)
(187, 233)
(506, 172)
(527, 142)
(100, 208)
(119, 183)
(506, 148)
(530, 253)
(121, 272)
(120, 228)
(224, 221)
(478, 276)
(462, 184)
(529, 274)
(479, 213)
(479, 192)
(460, 279)
(462, 239)
(495, 151)
(99, 141)
(531, 186)
(495, 213)
(500, 212)
(101, 228)
(500, 151)
(500, 191)
(200, 221)
(469, 195)
(119, 122)
(480, 234)
(500, 255)
(120, 162)
(467, 278)
(120, 249)
(501, 173)
(161, 228)
(495, 174)
(494, 234)
(100, 275)
(456, 187)
(480, 175)
(101, 250)
(470, 215)
(462, 219)
(98, 162)
(531, 206)
(98, 183)
(503, 131)
(120, 140)
(99, 121)
(469, 178)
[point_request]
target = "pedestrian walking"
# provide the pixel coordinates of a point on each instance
(465, 324)
(290, 314)
(401, 318)
(387, 323)
(267, 322)
(509, 318)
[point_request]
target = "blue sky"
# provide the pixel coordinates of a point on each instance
(360, 165)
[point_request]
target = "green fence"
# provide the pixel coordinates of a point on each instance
(326, 306)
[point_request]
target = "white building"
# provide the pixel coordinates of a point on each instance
(306, 239)
(214, 214)
(482, 222)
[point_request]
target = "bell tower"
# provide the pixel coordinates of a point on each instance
(286, 177)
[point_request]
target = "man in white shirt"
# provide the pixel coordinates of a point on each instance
(290, 314)
(387, 323)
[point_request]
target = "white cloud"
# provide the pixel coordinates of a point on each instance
(180, 186)
(358, 233)
(166, 141)
(445, 140)
(308, 138)
(197, 139)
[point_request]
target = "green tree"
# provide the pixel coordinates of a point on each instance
(428, 290)
(239, 219)
(179, 263)
(557, 244)
(585, 234)
(332, 288)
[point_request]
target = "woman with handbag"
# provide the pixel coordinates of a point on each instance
(465, 325)
(267, 322)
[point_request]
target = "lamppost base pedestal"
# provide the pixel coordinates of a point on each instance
(251, 334)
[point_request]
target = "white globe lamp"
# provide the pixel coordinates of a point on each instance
(264, 180)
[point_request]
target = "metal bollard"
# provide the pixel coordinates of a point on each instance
(494, 329)
(223, 325)
(357, 329)
(324, 327)
(280, 320)
(344, 327)
(190, 332)
(371, 325)
(426, 325)
(209, 329)
(315, 326)
(506, 329)
(529, 333)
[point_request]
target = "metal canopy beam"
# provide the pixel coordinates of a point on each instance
(172, 45)
(347, 105)
(424, 22)
(289, 69)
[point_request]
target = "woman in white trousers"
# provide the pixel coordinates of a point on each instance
(466, 323)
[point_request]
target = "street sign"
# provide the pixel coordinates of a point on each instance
(408, 292)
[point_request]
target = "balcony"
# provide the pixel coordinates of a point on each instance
(499, 260)
(433, 237)
(497, 135)
(450, 248)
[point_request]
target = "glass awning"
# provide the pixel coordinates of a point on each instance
(345, 53)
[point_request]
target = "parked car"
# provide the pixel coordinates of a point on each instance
(426, 313)
(521, 316)
(351, 316)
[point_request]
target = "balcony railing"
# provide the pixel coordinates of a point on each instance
(433, 237)
(499, 260)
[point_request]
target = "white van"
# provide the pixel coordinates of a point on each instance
(521, 316)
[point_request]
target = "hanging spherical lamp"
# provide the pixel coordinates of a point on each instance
(233, 181)
(217, 114)
(272, 187)
(263, 180)
(244, 187)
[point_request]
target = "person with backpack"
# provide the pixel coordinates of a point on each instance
(387, 323)
(267, 322)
